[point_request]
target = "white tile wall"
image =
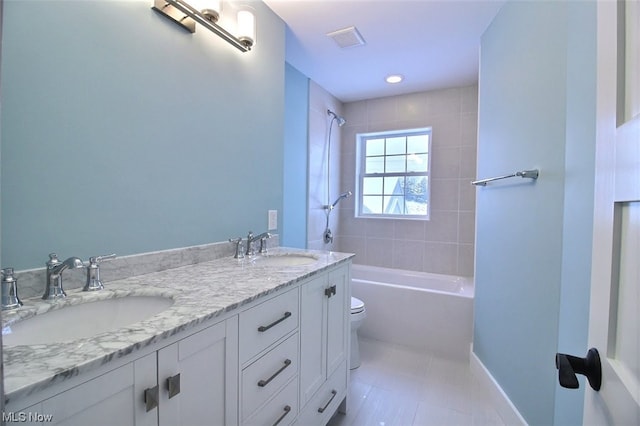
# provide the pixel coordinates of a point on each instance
(319, 121)
(445, 244)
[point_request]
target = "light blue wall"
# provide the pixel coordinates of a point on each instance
(294, 233)
(124, 133)
(533, 240)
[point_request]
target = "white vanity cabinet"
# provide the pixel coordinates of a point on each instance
(189, 382)
(279, 359)
(324, 342)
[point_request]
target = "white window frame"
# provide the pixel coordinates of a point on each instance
(361, 139)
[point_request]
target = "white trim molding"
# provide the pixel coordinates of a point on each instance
(507, 411)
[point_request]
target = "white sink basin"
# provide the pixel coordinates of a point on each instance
(289, 259)
(83, 320)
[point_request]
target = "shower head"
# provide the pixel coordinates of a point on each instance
(336, 117)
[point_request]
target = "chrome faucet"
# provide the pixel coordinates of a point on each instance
(263, 242)
(53, 287)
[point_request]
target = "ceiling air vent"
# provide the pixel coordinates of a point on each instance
(347, 37)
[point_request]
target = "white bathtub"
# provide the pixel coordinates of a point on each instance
(430, 312)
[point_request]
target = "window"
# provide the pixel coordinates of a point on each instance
(393, 174)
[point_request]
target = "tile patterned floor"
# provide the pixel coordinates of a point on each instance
(398, 386)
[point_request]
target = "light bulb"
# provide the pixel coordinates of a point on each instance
(246, 27)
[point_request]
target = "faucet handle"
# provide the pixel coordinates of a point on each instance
(93, 272)
(97, 259)
(239, 246)
(53, 260)
(7, 274)
(10, 299)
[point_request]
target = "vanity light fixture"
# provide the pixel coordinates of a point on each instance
(186, 15)
(210, 9)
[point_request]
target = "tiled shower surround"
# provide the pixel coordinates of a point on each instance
(445, 243)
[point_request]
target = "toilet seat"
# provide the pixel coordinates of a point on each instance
(357, 305)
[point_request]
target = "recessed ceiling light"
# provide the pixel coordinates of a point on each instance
(393, 78)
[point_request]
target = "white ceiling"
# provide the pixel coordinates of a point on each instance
(433, 44)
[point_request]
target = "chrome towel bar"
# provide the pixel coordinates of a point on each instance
(531, 174)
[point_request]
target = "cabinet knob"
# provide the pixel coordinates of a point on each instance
(173, 385)
(330, 291)
(151, 398)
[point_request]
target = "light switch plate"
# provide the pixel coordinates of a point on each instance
(273, 220)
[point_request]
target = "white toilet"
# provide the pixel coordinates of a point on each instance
(358, 314)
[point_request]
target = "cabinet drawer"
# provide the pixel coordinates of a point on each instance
(265, 377)
(265, 323)
(325, 402)
(281, 410)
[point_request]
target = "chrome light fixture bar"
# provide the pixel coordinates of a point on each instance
(175, 10)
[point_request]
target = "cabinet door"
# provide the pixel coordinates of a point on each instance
(110, 399)
(198, 378)
(338, 325)
(325, 402)
(313, 337)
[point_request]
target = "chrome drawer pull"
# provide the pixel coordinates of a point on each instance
(287, 409)
(266, 327)
(263, 383)
(151, 397)
(333, 395)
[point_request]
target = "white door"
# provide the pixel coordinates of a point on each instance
(615, 287)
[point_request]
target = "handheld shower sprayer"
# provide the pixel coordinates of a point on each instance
(336, 117)
(328, 236)
(340, 198)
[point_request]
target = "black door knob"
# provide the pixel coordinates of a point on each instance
(568, 366)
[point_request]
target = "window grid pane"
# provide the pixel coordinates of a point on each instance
(374, 165)
(395, 175)
(395, 164)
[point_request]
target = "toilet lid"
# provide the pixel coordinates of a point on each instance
(357, 305)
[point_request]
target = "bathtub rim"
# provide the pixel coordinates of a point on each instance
(467, 283)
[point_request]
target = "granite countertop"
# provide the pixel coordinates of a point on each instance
(200, 292)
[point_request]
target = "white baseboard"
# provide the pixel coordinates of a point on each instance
(509, 413)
